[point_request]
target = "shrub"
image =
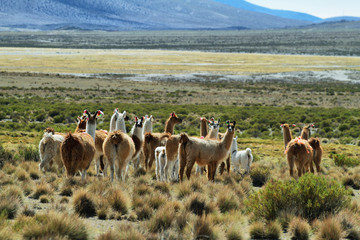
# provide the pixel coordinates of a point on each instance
(342, 160)
(311, 196)
(44, 199)
(41, 189)
(144, 213)
(118, 200)
(330, 229)
(163, 187)
(5, 157)
(123, 232)
(259, 176)
(299, 229)
(162, 220)
(60, 226)
(271, 230)
(197, 204)
(227, 201)
(203, 228)
(83, 204)
(66, 191)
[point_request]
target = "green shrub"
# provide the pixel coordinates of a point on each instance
(341, 160)
(311, 197)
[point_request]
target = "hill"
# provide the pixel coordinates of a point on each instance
(133, 15)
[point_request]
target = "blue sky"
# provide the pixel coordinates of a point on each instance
(319, 8)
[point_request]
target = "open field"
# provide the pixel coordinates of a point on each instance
(50, 87)
(343, 40)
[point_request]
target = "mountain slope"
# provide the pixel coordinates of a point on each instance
(242, 4)
(134, 15)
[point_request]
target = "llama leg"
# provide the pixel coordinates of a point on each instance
(97, 166)
(175, 170)
(157, 168)
(167, 169)
(189, 167)
(209, 168)
(300, 168)
(228, 163)
(222, 168)
(146, 156)
(291, 164)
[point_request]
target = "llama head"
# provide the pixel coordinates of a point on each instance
(139, 122)
(49, 130)
(81, 122)
(231, 126)
(314, 143)
(174, 119)
(91, 118)
(203, 120)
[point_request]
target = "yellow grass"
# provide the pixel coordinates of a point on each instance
(163, 62)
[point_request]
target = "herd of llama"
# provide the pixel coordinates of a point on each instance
(173, 154)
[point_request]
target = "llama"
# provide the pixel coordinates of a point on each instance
(154, 140)
(305, 133)
(147, 126)
(286, 133)
(49, 149)
(204, 129)
(315, 144)
(78, 149)
(49, 145)
(300, 153)
(119, 149)
(117, 122)
(204, 152)
(243, 158)
(160, 160)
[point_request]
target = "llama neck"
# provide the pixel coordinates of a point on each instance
(138, 138)
(227, 140)
(203, 129)
(147, 126)
(169, 126)
(305, 133)
(90, 129)
(233, 146)
(120, 124)
(214, 132)
(113, 123)
(287, 135)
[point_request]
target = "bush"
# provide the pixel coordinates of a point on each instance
(259, 176)
(57, 226)
(162, 220)
(83, 204)
(259, 230)
(203, 228)
(341, 160)
(299, 229)
(330, 229)
(118, 200)
(311, 197)
(227, 201)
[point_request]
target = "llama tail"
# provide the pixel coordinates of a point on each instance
(71, 153)
(116, 137)
(148, 137)
(184, 138)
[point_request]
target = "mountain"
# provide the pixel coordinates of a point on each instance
(133, 15)
(242, 4)
(342, 18)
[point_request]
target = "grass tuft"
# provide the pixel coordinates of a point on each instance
(83, 204)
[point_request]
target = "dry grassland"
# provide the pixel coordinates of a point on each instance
(163, 62)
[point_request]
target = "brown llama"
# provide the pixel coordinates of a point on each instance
(49, 146)
(318, 150)
(286, 134)
(119, 149)
(300, 153)
(154, 140)
(305, 133)
(204, 128)
(78, 149)
(204, 152)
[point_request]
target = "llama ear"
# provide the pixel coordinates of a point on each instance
(294, 125)
(227, 122)
(151, 118)
(99, 113)
(201, 119)
(234, 123)
(116, 110)
(124, 114)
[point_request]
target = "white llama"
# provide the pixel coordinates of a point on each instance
(243, 158)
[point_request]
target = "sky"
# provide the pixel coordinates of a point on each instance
(318, 8)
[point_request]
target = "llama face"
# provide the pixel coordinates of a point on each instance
(231, 126)
(174, 119)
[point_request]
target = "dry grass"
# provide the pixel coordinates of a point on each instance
(163, 62)
(330, 229)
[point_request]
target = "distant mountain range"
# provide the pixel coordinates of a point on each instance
(144, 15)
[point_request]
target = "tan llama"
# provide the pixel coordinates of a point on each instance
(78, 149)
(205, 152)
(286, 134)
(119, 149)
(154, 140)
(316, 145)
(299, 153)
